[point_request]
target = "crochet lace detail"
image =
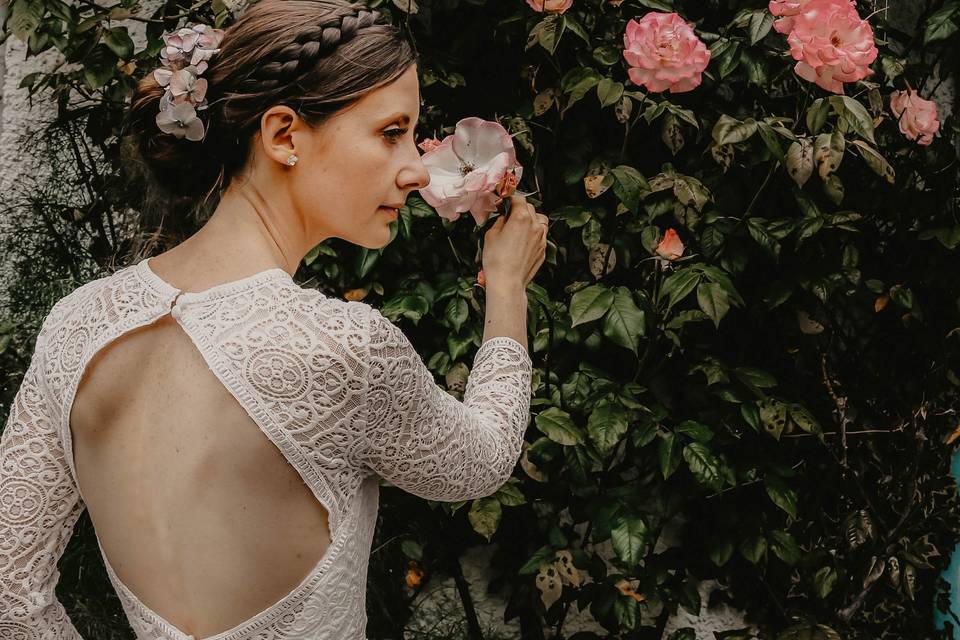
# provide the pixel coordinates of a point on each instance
(333, 384)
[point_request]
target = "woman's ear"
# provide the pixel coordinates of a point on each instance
(278, 124)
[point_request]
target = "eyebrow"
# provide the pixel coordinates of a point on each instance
(402, 118)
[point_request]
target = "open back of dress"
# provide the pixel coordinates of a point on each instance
(230, 444)
(197, 510)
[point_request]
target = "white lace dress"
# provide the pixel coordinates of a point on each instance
(333, 384)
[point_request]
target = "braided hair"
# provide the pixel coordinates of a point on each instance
(316, 56)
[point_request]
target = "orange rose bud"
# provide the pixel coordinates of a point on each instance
(626, 589)
(355, 294)
(482, 279)
(507, 184)
(414, 574)
(670, 247)
(428, 144)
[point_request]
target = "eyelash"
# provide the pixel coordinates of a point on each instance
(395, 134)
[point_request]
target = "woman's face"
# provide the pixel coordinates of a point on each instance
(361, 160)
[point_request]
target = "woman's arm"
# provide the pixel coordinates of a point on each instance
(39, 505)
(423, 440)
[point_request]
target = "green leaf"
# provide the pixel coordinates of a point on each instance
(809, 631)
(755, 378)
(509, 495)
(799, 161)
(574, 25)
(773, 416)
(782, 495)
(119, 42)
(758, 231)
(577, 82)
(833, 188)
(555, 423)
(626, 610)
(785, 547)
(721, 552)
(942, 23)
(412, 549)
(99, 67)
(771, 139)
(824, 580)
(686, 633)
(712, 240)
(902, 295)
(624, 322)
(730, 130)
(760, 23)
(629, 186)
(678, 285)
(25, 17)
(855, 115)
(606, 425)
(713, 300)
(697, 431)
(817, 115)
(704, 465)
(456, 312)
(629, 537)
(804, 419)
(828, 152)
(669, 454)
(485, 515)
(548, 32)
(607, 55)
(609, 91)
(544, 554)
(875, 161)
(753, 548)
(590, 303)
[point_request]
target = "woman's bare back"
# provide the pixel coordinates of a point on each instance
(189, 498)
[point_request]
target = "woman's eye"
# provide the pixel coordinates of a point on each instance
(395, 134)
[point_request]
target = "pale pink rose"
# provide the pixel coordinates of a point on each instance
(831, 44)
(787, 9)
(664, 53)
(917, 117)
(550, 6)
(466, 168)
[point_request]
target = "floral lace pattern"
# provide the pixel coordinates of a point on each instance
(333, 384)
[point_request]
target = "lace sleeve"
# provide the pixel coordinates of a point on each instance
(39, 505)
(425, 441)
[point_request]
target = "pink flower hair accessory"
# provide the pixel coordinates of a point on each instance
(183, 59)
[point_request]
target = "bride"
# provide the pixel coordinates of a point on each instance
(226, 428)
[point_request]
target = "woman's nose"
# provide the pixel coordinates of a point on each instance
(419, 176)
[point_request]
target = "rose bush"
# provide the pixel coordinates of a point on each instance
(744, 336)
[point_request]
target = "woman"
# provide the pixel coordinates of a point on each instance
(226, 428)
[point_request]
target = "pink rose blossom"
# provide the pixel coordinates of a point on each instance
(787, 9)
(917, 117)
(550, 6)
(664, 53)
(467, 167)
(832, 44)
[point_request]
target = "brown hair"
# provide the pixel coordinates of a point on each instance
(315, 56)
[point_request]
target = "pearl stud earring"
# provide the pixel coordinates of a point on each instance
(292, 160)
